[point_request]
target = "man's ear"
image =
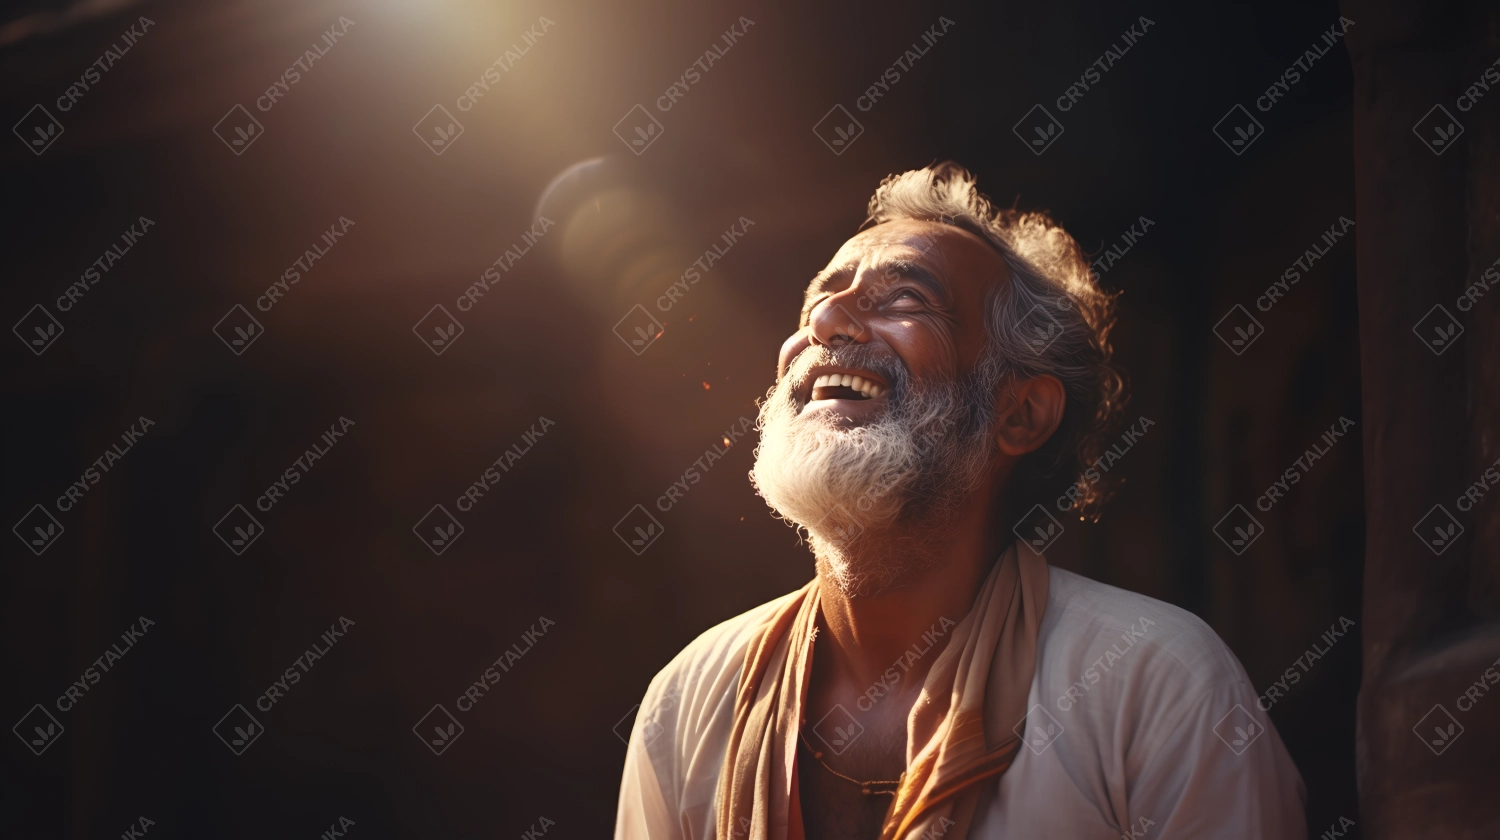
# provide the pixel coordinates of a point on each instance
(1029, 412)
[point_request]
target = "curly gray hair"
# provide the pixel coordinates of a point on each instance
(1052, 318)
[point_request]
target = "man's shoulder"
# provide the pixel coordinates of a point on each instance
(715, 657)
(1114, 629)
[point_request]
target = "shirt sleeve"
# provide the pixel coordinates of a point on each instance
(642, 813)
(1215, 771)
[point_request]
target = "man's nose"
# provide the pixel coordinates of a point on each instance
(832, 323)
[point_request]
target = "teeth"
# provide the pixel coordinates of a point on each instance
(864, 386)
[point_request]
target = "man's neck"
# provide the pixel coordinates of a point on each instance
(866, 634)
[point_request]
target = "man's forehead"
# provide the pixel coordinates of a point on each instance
(911, 244)
(896, 238)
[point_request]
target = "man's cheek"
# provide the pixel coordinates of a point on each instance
(790, 349)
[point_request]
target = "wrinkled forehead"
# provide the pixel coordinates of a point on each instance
(905, 240)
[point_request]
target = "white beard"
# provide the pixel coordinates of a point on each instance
(856, 489)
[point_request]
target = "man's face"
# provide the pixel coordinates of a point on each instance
(910, 291)
(881, 415)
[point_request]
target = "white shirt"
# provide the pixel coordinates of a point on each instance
(1135, 689)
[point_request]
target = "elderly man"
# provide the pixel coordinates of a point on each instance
(936, 678)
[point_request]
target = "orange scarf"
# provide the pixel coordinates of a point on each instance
(959, 733)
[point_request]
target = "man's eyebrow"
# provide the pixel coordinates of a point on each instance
(919, 274)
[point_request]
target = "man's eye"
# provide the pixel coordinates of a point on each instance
(908, 294)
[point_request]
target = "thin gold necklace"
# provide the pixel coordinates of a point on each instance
(867, 788)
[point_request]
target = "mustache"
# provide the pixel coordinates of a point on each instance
(862, 356)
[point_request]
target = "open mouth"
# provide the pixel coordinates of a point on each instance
(844, 386)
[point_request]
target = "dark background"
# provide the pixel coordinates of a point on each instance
(540, 343)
